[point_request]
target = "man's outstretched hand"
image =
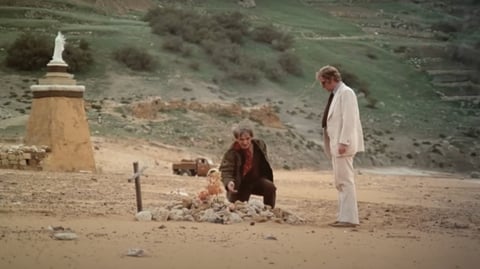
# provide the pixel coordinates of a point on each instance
(231, 187)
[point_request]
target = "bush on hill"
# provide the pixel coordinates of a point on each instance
(225, 54)
(29, 52)
(233, 24)
(79, 58)
(353, 81)
(465, 54)
(195, 28)
(291, 63)
(221, 36)
(270, 35)
(33, 52)
(274, 72)
(173, 44)
(135, 59)
(446, 27)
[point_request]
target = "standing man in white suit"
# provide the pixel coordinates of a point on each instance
(343, 138)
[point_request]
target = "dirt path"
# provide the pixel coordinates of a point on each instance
(407, 221)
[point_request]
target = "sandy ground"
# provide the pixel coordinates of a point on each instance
(409, 219)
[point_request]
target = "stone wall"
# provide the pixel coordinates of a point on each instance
(22, 157)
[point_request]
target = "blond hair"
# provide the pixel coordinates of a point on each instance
(329, 72)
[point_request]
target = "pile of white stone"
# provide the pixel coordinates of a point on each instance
(219, 210)
(22, 157)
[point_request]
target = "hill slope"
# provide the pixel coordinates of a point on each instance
(388, 46)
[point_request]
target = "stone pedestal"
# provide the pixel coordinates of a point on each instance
(58, 120)
(57, 75)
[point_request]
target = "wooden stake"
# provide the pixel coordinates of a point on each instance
(138, 190)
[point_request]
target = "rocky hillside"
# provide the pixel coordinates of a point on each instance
(426, 108)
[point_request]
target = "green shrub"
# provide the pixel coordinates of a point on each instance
(220, 36)
(135, 59)
(465, 54)
(284, 42)
(372, 56)
(400, 49)
(233, 24)
(195, 28)
(208, 46)
(29, 52)
(350, 78)
(290, 63)
(173, 44)
(256, 63)
(446, 27)
(353, 81)
(225, 54)
(165, 20)
(79, 58)
(270, 35)
(441, 36)
(265, 34)
(274, 73)
(33, 52)
(152, 14)
(194, 66)
(187, 51)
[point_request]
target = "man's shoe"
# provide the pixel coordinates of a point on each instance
(341, 224)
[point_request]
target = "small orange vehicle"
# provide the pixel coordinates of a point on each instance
(198, 167)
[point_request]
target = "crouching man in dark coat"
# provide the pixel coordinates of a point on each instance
(246, 170)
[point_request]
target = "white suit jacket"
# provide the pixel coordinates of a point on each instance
(343, 124)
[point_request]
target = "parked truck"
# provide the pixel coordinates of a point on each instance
(196, 167)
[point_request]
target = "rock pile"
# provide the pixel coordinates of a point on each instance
(210, 205)
(22, 157)
(219, 210)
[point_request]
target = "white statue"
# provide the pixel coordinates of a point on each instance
(59, 47)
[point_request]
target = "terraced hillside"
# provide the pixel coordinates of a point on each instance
(446, 49)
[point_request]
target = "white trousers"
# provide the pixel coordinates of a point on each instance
(345, 184)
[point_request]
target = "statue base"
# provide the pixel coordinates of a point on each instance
(59, 121)
(56, 66)
(71, 91)
(57, 75)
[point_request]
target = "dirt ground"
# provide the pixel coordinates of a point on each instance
(409, 219)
